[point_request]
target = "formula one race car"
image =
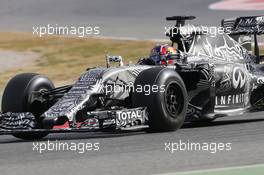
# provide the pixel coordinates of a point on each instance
(198, 78)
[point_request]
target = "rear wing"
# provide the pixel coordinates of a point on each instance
(250, 25)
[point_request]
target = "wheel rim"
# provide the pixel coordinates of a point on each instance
(174, 99)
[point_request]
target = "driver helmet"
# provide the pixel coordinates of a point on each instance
(162, 54)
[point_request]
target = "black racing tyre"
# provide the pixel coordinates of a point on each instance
(256, 98)
(166, 107)
(16, 98)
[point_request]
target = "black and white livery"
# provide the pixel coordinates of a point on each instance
(205, 77)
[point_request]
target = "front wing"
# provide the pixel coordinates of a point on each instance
(103, 120)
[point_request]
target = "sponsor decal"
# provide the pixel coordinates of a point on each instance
(125, 118)
(230, 99)
(238, 78)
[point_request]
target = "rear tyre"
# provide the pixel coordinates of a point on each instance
(16, 98)
(167, 107)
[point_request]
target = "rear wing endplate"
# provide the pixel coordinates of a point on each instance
(249, 25)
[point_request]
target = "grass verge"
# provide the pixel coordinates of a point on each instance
(65, 58)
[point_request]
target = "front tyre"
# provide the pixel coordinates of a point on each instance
(167, 107)
(16, 98)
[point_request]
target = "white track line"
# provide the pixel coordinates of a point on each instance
(214, 170)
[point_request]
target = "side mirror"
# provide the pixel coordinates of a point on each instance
(110, 58)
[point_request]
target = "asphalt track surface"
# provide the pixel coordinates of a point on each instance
(140, 152)
(143, 19)
(136, 152)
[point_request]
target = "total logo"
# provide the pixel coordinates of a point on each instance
(238, 78)
(128, 117)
